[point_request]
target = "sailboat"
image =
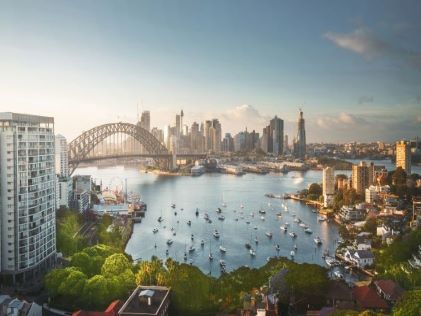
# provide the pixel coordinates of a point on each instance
(223, 202)
(222, 248)
(210, 250)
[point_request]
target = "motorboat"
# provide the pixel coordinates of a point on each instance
(173, 205)
(247, 222)
(155, 230)
(222, 263)
(160, 219)
(338, 274)
(331, 262)
(221, 217)
(192, 249)
(189, 223)
(303, 225)
(297, 220)
(256, 240)
(321, 218)
(284, 228)
(277, 247)
(167, 252)
(185, 256)
(279, 214)
(174, 233)
(169, 242)
(252, 252)
(197, 212)
(292, 253)
(317, 240)
(192, 237)
(293, 235)
(269, 234)
(216, 234)
(247, 245)
(218, 210)
(241, 206)
(308, 230)
(210, 256)
(295, 247)
(255, 227)
(286, 224)
(222, 249)
(202, 243)
(262, 211)
(262, 218)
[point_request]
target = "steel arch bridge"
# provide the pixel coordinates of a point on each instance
(84, 144)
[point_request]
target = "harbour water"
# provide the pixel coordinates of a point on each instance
(208, 192)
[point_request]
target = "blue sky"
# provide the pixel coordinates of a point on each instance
(353, 66)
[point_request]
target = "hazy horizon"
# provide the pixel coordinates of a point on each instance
(353, 67)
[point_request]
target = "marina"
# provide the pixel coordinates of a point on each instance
(185, 212)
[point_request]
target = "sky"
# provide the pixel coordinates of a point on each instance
(354, 67)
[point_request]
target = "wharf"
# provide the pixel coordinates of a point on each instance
(307, 201)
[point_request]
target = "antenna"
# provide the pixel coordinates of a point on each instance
(137, 114)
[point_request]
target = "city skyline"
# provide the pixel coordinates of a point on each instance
(239, 62)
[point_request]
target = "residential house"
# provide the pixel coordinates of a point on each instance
(361, 258)
(112, 310)
(389, 290)
(367, 298)
(147, 301)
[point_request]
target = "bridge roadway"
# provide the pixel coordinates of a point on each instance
(154, 156)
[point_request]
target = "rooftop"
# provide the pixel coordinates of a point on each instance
(137, 303)
(390, 288)
(367, 297)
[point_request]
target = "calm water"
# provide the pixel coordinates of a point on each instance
(207, 193)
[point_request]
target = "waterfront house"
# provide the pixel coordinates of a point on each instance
(352, 213)
(367, 298)
(389, 290)
(361, 258)
(147, 301)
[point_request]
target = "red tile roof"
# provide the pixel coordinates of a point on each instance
(112, 310)
(390, 288)
(367, 297)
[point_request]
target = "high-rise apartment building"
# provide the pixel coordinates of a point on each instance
(27, 195)
(300, 141)
(208, 135)
(362, 177)
(403, 156)
(328, 185)
(216, 135)
(62, 159)
(145, 120)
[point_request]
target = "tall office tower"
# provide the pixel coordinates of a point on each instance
(27, 195)
(266, 141)
(62, 160)
(196, 139)
(145, 120)
(328, 185)
(177, 125)
(300, 145)
(286, 146)
(181, 123)
(403, 156)
(216, 135)
(277, 129)
(208, 135)
(362, 177)
(158, 133)
(228, 143)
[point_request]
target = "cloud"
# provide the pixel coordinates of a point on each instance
(365, 99)
(242, 116)
(364, 42)
(341, 121)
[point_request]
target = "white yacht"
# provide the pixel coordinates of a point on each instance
(317, 240)
(222, 249)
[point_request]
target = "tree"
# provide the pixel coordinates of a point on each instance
(370, 226)
(315, 189)
(96, 293)
(83, 262)
(115, 264)
(408, 304)
(306, 279)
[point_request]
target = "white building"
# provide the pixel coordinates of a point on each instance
(361, 258)
(62, 158)
(83, 183)
(27, 195)
(64, 192)
(328, 185)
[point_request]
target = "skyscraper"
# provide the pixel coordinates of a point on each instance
(62, 160)
(216, 135)
(328, 185)
(277, 133)
(145, 120)
(403, 156)
(362, 177)
(300, 141)
(27, 195)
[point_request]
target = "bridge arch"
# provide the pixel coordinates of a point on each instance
(81, 146)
